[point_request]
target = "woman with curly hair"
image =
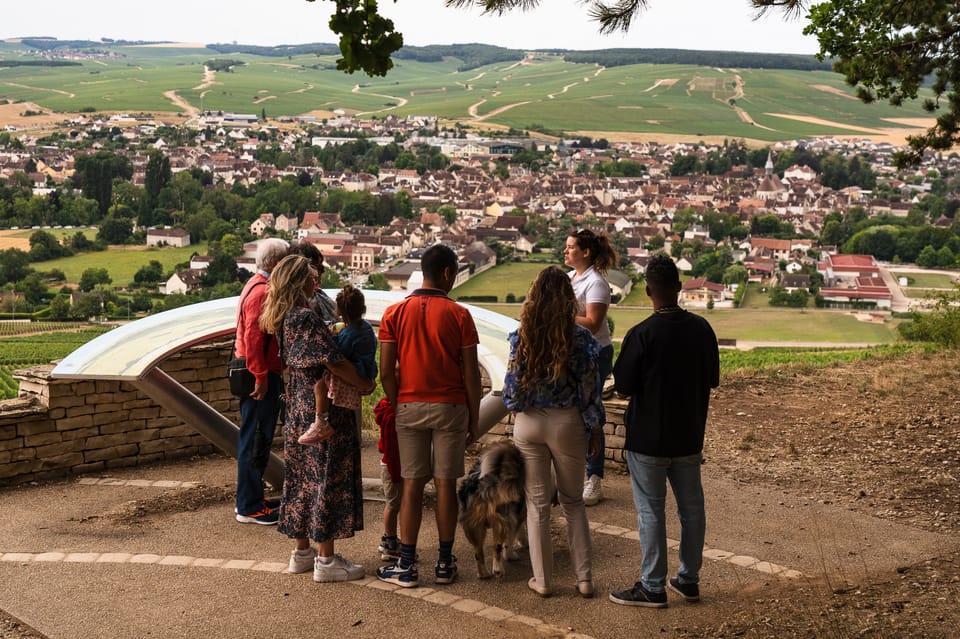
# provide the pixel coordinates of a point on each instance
(322, 485)
(553, 386)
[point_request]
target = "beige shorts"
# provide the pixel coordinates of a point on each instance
(391, 491)
(432, 438)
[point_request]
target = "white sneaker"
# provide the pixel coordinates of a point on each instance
(592, 490)
(339, 569)
(302, 561)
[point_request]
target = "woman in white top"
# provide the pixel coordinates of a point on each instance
(591, 255)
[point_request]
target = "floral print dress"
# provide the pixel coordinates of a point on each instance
(322, 485)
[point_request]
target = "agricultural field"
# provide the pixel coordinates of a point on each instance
(758, 322)
(779, 325)
(760, 359)
(122, 262)
(20, 350)
(758, 104)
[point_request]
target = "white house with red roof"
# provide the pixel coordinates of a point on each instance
(698, 292)
(850, 279)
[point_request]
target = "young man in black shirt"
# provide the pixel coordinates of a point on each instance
(667, 365)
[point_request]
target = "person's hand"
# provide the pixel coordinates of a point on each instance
(594, 446)
(259, 391)
(369, 388)
(473, 433)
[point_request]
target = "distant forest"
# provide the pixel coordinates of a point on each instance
(279, 51)
(49, 44)
(471, 55)
(738, 59)
(40, 63)
(476, 55)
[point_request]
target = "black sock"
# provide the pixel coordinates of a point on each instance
(446, 551)
(408, 555)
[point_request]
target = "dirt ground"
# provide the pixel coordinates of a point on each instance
(882, 439)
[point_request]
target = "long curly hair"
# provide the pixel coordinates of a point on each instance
(547, 323)
(285, 291)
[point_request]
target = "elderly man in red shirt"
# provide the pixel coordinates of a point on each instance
(258, 410)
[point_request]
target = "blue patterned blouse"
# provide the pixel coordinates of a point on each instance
(581, 388)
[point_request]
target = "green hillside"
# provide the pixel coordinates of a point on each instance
(545, 90)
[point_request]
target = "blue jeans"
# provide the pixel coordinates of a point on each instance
(649, 477)
(595, 463)
(258, 422)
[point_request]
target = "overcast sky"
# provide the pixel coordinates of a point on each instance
(678, 24)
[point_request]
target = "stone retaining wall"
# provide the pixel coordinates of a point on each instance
(58, 428)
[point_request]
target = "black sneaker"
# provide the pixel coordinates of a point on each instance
(389, 548)
(639, 596)
(446, 571)
(689, 592)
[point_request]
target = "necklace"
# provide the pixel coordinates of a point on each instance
(669, 308)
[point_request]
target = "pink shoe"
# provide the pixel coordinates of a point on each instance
(319, 431)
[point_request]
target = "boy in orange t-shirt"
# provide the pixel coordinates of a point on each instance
(431, 376)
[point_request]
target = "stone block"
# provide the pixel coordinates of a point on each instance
(154, 446)
(150, 412)
(106, 441)
(42, 439)
(83, 469)
(99, 398)
(8, 431)
(79, 433)
(187, 375)
(56, 413)
(138, 402)
(23, 454)
(109, 454)
(15, 469)
(11, 444)
(68, 423)
(142, 435)
(67, 460)
(86, 409)
(181, 430)
(36, 428)
(52, 450)
(105, 386)
(114, 422)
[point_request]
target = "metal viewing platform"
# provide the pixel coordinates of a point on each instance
(133, 352)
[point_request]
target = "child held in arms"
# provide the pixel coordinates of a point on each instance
(357, 342)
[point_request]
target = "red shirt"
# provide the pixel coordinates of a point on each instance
(250, 338)
(430, 331)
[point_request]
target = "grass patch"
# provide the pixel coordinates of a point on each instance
(926, 280)
(512, 277)
(780, 360)
(122, 262)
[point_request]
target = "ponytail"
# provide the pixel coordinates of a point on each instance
(603, 256)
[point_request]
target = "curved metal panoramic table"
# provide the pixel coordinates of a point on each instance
(132, 353)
